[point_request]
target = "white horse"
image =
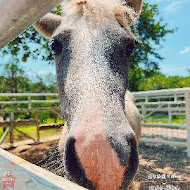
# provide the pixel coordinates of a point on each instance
(92, 44)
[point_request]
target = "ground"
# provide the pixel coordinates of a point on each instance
(162, 167)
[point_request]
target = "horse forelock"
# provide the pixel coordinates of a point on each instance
(101, 12)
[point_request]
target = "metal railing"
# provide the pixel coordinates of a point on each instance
(27, 98)
(171, 102)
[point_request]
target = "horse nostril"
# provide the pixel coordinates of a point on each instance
(56, 46)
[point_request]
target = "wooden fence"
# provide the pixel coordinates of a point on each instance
(35, 103)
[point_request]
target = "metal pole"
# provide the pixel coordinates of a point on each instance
(17, 15)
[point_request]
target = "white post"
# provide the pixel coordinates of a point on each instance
(144, 109)
(144, 113)
(169, 114)
(29, 102)
(175, 97)
(187, 107)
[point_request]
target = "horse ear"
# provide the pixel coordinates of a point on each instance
(136, 5)
(48, 24)
(129, 12)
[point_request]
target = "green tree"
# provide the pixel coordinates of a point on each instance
(152, 32)
(44, 83)
(156, 82)
(2, 83)
(51, 82)
(29, 44)
(13, 79)
(161, 81)
(184, 82)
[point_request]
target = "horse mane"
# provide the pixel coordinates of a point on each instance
(101, 9)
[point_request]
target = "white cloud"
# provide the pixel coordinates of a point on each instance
(175, 5)
(159, 1)
(185, 50)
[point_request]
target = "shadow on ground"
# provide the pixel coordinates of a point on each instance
(163, 167)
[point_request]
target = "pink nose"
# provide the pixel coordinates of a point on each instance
(97, 164)
(100, 162)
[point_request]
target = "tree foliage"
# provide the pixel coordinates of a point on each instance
(13, 80)
(44, 84)
(29, 44)
(152, 32)
(143, 63)
(160, 81)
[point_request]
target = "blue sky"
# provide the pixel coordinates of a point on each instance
(176, 48)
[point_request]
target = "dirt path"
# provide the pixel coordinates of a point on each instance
(168, 133)
(163, 167)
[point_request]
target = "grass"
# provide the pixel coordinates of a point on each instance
(175, 120)
(31, 131)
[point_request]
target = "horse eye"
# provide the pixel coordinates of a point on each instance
(56, 46)
(130, 48)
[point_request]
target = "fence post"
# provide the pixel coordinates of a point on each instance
(187, 109)
(144, 113)
(169, 114)
(11, 127)
(175, 97)
(29, 102)
(38, 127)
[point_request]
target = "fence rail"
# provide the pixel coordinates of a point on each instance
(34, 103)
(26, 98)
(170, 102)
